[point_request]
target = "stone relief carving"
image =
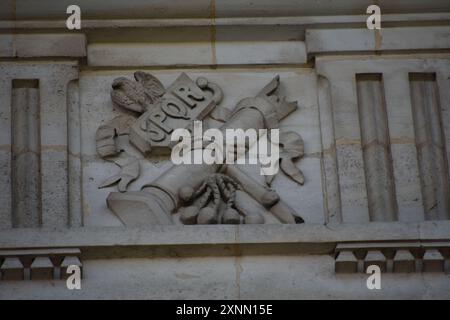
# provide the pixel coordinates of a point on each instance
(197, 193)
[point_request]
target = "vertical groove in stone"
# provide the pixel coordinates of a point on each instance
(5, 154)
(430, 143)
(403, 146)
(74, 158)
(332, 196)
(54, 150)
(26, 166)
(349, 153)
(376, 148)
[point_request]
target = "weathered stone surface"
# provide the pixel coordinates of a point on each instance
(366, 167)
(431, 153)
(26, 169)
(375, 257)
(229, 278)
(149, 54)
(5, 154)
(6, 45)
(200, 53)
(409, 180)
(41, 269)
(376, 149)
(66, 263)
(53, 79)
(433, 261)
(313, 237)
(319, 41)
(261, 52)
(42, 45)
(202, 8)
(404, 261)
(346, 262)
(12, 269)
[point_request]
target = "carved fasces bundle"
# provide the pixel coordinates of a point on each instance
(215, 202)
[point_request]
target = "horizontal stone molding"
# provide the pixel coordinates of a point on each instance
(96, 23)
(21, 9)
(386, 39)
(42, 45)
(219, 240)
(199, 53)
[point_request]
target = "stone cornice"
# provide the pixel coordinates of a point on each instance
(160, 22)
(219, 240)
(115, 9)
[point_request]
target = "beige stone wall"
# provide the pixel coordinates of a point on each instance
(373, 112)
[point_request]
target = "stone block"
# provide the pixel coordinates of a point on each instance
(345, 40)
(70, 261)
(346, 262)
(12, 269)
(149, 54)
(404, 261)
(375, 257)
(41, 269)
(433, 261)
(260, 52)
(42, 45)
(6, 45)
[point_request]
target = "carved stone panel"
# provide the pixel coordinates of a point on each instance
(189, 194)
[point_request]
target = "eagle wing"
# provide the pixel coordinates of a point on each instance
(152, 87)
(128, 95)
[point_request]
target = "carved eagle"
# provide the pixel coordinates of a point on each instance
(137, 95)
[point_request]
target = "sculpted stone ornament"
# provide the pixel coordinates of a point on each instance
(161, 111)
(207, 200)
(183, 102)
(196, 193)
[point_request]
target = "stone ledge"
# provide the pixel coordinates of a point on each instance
(308, 21)
(42, 45)
(198, 53)
(50, 9)
(360, 40)
(219, 240)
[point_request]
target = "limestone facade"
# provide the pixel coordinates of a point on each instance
(366, 115)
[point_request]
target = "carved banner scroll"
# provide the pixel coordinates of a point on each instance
(183, 102)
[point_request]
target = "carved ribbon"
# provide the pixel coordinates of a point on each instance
(292, 147)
